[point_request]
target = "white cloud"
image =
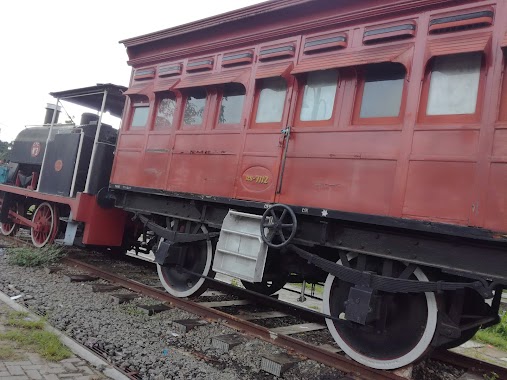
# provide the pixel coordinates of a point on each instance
(60, 45)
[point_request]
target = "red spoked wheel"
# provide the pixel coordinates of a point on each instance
(9, 229)
(46, 220)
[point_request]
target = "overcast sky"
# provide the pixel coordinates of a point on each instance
(58, 45)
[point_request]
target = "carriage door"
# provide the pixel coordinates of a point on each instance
(266, 140)
(270, 123)
(305, 167)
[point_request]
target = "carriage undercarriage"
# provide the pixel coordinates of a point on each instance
(385, 311)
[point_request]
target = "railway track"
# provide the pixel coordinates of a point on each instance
(245, 323)
(297, 346)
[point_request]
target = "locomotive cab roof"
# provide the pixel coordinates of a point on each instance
(92, 97)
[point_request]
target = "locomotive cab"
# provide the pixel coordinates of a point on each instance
(57, 171)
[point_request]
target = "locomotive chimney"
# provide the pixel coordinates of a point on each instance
(50, 108)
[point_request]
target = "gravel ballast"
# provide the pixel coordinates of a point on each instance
(133, 341)
(150, 345)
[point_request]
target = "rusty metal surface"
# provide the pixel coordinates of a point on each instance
(297, 346)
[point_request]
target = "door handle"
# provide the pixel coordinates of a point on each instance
(286, 131)
(285, 135)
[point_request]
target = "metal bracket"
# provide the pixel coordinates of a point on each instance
(170, 254)
(174, 236)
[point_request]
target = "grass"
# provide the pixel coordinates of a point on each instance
(495, 335)
(8, 353)
(30, 334)
(131, 309)
(21, 320)
(319, 289)
(34, 257)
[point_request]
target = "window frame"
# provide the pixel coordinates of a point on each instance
(219, 96)
(453, 118)
(207, 106)
(270, 125)
(158, 97)
(301, 81)
(358, 100)
(139, 104)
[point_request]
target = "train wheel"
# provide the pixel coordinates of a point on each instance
(198, 259)
(46, 219)
(9, 229)
(400, 336)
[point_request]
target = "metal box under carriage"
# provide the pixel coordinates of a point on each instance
(350, 143)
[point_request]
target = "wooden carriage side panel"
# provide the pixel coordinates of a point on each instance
(495, 207)
(204, 163)
(341, 170)
(491, 189)
(128, 157)
(155, 163)
(495, 194)
(355, 185)
(440, 191)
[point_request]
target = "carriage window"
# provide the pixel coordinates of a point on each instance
(382, 91)
(194, 107)
(271, 100)
(454, 84)
(165, 112)
(141, 109)
(231, 107)
(319, 95)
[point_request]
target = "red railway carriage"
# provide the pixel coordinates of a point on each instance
(356, 143)
(56, 182)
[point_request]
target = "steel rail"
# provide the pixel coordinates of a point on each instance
(299, 347)
(470, 364)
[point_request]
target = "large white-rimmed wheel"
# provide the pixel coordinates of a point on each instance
(46, 220)
(401, 333)
(10, 228)
(198, 258)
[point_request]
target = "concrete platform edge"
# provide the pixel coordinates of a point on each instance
(78, 349)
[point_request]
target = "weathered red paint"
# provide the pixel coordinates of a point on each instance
(450, 169)
(101, 226)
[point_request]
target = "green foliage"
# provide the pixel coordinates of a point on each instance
(319, 289)
(8, 353)
(30, 334)
(21, 320)
(491, 376)
(131, 309)
(5, 148)
(495, 335)
(33, 257)
(45, 343)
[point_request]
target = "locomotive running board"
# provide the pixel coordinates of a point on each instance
(240, 251)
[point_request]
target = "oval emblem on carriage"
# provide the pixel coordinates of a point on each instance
(35, 149)
(58, 165)
(257, 178)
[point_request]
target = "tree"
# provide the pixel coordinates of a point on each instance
(5, 148)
